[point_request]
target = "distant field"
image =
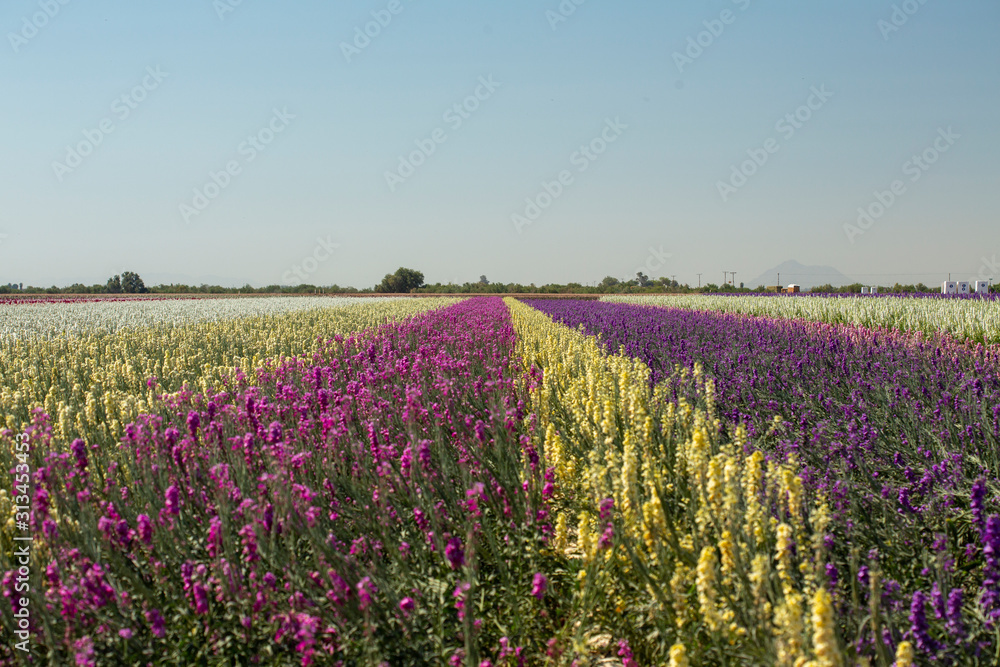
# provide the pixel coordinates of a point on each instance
(93, 366)
(109, 315)
(975, 319)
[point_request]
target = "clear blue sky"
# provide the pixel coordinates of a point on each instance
(322, 181)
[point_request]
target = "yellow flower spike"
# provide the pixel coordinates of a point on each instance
(715, 487)
(728, 557)
(751, 487)
(710, 399)
(562, 532)
(731, 477)
(820, 520)
(824, 636)
(783, 548)
(759, 574)
(629, 482)
(706, 589)
(654, 523)
(680, 582)
(586, 540)
(553, 446)
(678, 656)
(788, 620)
(905, 655)
(607, 423)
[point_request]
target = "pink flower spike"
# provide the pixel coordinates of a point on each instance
(538, 585)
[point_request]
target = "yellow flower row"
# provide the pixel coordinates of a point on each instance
(92, 384)
(701, 521)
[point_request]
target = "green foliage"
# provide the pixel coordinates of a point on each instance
(127, 283)
(132, 284)
(402, 282)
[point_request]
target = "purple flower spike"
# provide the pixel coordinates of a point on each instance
(454, 553)
(918, 624)
(172, 500)
(538, 585)
(79, 449)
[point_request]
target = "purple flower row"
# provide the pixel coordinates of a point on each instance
(322, 507)
(900, 433)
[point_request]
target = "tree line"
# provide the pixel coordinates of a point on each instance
(410, 281)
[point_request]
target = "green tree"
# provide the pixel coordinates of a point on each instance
(404, 280)
(114, 285)
(131, 283)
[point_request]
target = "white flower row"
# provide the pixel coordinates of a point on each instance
(974, 319)
(55, 318)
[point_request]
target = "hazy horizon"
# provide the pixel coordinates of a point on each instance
(210, 140)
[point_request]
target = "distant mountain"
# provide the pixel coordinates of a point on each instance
(804, 276)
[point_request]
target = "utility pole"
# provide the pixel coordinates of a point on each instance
(724, 274)
(699, 280)
(734, 278)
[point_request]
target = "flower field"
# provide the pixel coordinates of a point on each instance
(57, 318)
(95, 367)
(498, 482)
(896, 433)
(974, 318)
